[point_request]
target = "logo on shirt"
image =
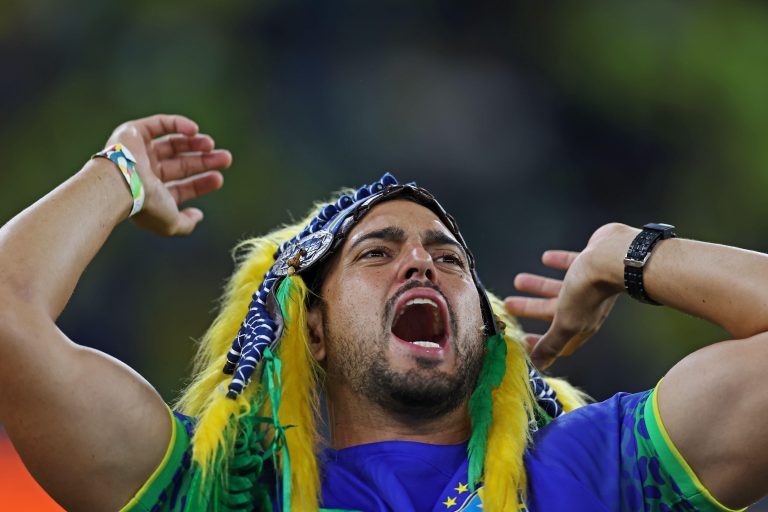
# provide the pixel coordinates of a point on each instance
(472, 502)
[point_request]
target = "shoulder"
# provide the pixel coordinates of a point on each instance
(594, 425)
(173, 473)
(618, 452)
(595, 445)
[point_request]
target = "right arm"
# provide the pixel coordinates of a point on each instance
(89, 428)
(714, 403)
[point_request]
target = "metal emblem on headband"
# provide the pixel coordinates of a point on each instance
(304, 252)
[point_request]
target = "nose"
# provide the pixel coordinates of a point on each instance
(417, 264)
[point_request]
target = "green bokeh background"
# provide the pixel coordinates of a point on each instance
(534, 125)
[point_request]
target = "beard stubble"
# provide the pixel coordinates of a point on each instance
(418, 394)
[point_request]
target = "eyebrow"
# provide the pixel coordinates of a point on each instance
(437, 237)
(394, 234)
(389, 234)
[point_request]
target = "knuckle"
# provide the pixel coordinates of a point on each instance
(568, 328)
(606, 231)
(123, 127)
(547, 349)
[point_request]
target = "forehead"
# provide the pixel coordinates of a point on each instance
(401, 213)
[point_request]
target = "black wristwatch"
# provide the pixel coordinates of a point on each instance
(637, 256)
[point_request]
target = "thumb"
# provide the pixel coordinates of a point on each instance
(530, 341)
(549, 347)
(187, 220)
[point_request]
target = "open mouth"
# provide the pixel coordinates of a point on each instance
(420, 320)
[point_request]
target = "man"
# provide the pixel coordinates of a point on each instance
(431, 402)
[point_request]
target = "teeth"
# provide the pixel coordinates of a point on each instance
(427, 344)
(421, 300)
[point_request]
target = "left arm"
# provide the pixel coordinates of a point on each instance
(714, 403)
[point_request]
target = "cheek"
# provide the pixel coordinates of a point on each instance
(356, 304)
(469, 313)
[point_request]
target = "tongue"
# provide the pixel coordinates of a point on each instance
(417, 323)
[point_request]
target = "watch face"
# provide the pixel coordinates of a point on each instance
(664, 228)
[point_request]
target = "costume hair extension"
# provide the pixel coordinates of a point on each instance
(509, 433)
(513, 406)
(569, 395)
(300, 403)
(253, 258)
(204, 397)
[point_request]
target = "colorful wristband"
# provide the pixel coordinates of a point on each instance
(125, 161)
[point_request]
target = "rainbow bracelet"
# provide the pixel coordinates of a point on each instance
(125, 161)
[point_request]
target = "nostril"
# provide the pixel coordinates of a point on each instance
(413, 271)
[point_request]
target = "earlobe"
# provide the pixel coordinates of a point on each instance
(315, 328)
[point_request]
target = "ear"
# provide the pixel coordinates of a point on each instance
(315, 328)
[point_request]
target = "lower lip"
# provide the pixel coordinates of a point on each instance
(422, 351)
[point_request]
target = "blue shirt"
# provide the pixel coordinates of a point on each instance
(610, 456)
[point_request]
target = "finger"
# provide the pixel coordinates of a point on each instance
(188, 164)
(187, 220)
(556, 342)
(570, 348)
(560, 260)
(527, 307)
(548, 348)
(543, 286)
(531, 340)
(161, 124)
(575, 343)
(170, 145)
(542, 358)
(196, 186)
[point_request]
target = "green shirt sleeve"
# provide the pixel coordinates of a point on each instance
(685, 483)
(167, 487)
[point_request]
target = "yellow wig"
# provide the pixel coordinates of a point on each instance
(219, 417)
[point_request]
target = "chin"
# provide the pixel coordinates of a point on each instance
(421, 392)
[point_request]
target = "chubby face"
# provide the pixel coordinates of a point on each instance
(400, 320)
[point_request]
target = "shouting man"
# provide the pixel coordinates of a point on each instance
(374, 304)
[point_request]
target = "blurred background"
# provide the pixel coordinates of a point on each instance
(533, 125)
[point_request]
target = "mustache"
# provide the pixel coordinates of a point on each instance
(410, 285)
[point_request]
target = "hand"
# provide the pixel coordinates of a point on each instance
(578, 305)
(175, 164)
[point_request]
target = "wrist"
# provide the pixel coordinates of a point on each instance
(109, 186)
(121, 156)
(607, 248)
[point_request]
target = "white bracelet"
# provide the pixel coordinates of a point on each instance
(125, 161)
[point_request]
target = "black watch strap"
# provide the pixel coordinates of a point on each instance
(637, 256)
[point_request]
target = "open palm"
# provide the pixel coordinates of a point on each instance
(176, 163)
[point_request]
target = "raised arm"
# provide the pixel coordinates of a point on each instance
(89, 428)
(713, 403)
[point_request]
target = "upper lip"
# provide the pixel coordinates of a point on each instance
(425, 293)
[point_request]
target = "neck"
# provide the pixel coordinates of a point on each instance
(354, 420)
